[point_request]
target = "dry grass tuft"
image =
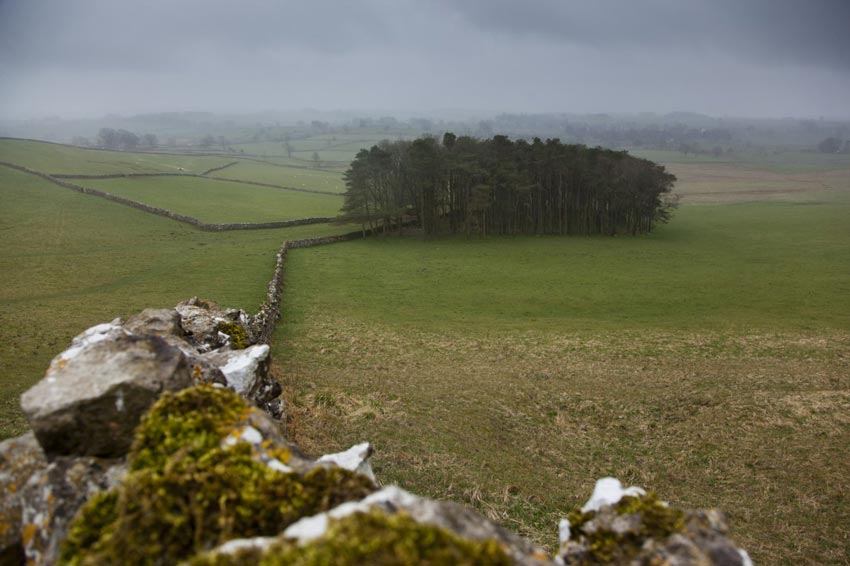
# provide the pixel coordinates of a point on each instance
(521, 424)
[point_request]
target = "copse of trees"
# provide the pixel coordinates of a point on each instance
(500, 187)
(124, 140)
(834, 145)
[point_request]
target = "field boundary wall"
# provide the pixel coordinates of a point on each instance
(267, 316)
(203, 175)
(197, 223)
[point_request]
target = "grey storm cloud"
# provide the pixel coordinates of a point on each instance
(159, 33)
(760, 57)
(813, 32)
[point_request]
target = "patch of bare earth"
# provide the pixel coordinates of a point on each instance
(521, 424)
(721, 183)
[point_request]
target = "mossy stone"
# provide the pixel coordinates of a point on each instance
(239, 339)
(373, 538)
(186, 492)
(655, 520)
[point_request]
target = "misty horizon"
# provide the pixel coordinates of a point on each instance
(765, 59)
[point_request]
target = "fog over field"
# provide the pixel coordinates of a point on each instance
(760, 58)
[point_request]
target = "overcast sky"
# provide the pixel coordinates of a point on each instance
(765, 58)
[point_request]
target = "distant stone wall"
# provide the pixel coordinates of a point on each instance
(136, 175)
(201, 225)
(214, 169)
(203, 175)
(119, 175)
(284, 187)
(116, 150)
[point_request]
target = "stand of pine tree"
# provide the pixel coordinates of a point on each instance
(499, 187)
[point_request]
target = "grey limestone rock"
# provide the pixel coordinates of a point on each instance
(644, 530)
(52, 497)
(452, 517)
(159, 322)
(95, 393)
(200, 320)
(246, 371)
(20, 459)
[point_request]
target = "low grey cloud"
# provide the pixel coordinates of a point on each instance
(90, 57)
(766, 31)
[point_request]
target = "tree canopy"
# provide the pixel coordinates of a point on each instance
(500, 187)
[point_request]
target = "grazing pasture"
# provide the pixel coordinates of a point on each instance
(214, 201)
(709, 360)
(777, 176)
(779, 161)
(56, 158)
(302, 178)
(69, 261)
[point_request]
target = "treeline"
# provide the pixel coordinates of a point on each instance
(498, 186)
(122, 139)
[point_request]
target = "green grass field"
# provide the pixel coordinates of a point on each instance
(338, 148)
(55, 158)
(709, 361)
(776, 266)
(69, 261)
(285, 176)
(784, 161)
(217, 201)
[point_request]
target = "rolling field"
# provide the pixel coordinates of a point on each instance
(785, 161)
(69, 261)
(286, 176)
(338, 148)
(709, 361)
(217, 201)
(55, 158)
(786, 176)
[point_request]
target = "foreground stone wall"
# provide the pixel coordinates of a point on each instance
(161, 440)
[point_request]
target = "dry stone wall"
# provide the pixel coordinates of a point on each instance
(120, 175)
(271, 186)
(201, 225)
(188, 470)
(214, 169)
(269, 313)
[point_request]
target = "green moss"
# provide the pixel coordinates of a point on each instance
(90, 525)
(657, 521)
(186, 493)
(191, 422)
(373, 538)
(238, 335)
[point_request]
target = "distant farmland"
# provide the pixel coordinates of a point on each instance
(288, 176)
(56, 158)
(217, 201)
